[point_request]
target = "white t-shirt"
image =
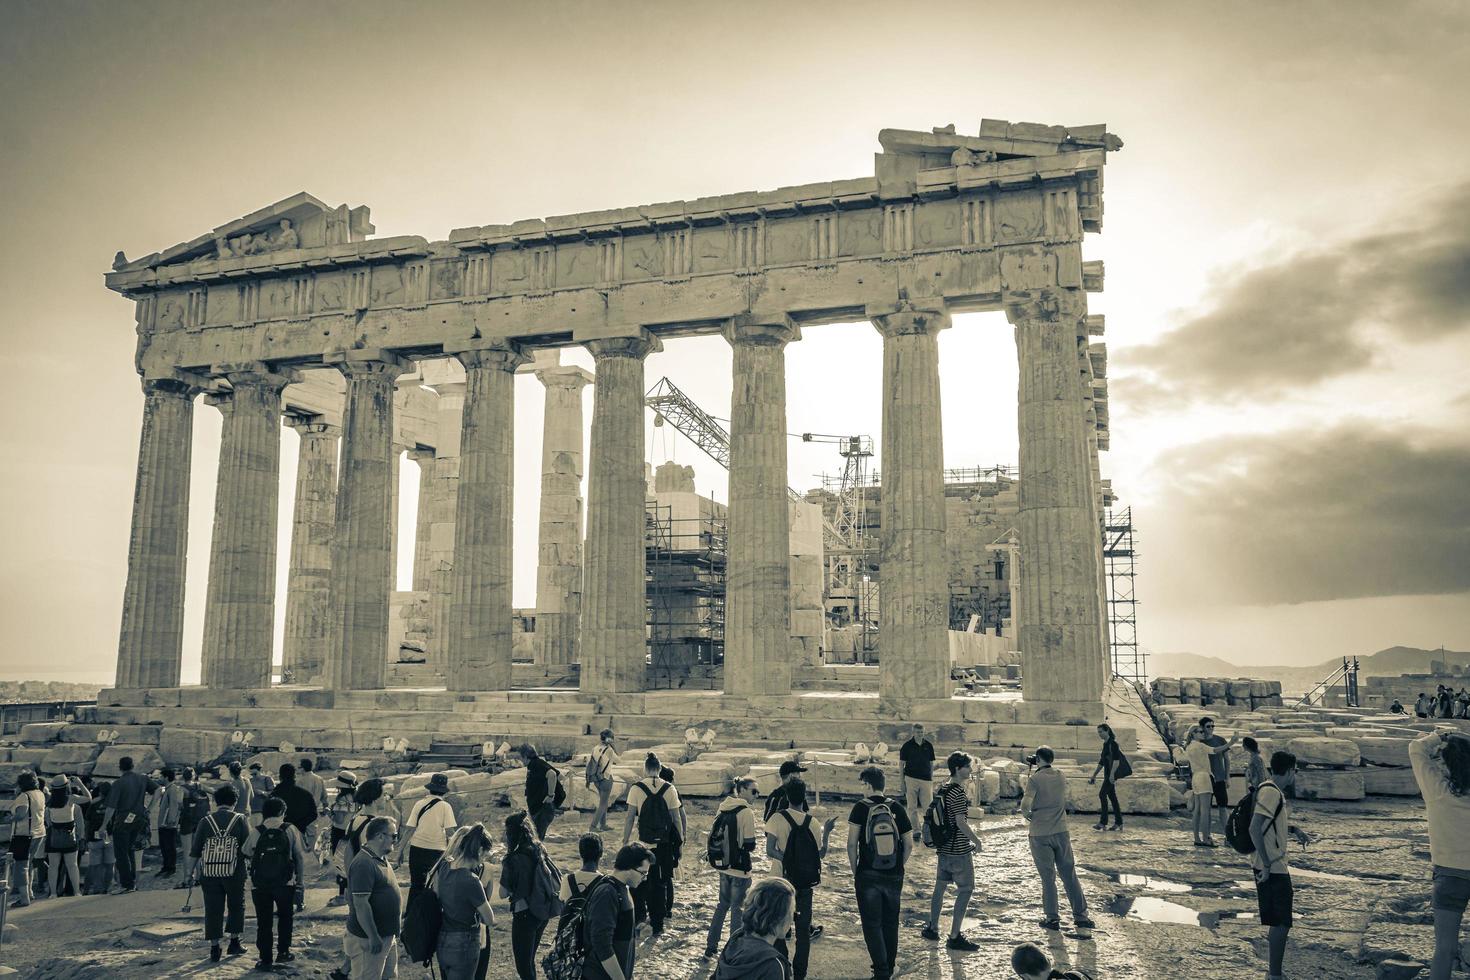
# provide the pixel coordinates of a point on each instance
(638, 794)
(582, 878)
(1268, 798)
(604, 757)
(33, 823)
(431, 823)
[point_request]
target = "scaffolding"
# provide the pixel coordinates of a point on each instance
(685, 560)
(1129, 660)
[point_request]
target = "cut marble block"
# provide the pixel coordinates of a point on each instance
(1144, 795)
(988, 782)
(72, 759)
(1322, 751)
(1329, 784)
(190, 747)
(40, 732)
(145, 760)
(1384, 751)
(1189, 687)
(1389, 781)
(703, 779)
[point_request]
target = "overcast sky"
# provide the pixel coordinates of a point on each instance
(1287, 243)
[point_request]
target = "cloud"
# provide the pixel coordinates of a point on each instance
(1309, 515)
(1321, 314)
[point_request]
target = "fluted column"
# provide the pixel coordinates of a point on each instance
(913, 596)
(441, 521)
(150, 645)
(559, 549)
(613, 643)
(239, 610)
(424, 459)
(479, 653)
(1059, 633)
(309, 580)
(758, 576)
(362, 573)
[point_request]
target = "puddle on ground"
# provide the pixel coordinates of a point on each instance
(1158, 910)
(1323, 876)
(1149, 883)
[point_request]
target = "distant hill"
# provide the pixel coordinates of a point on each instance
(1296, 680)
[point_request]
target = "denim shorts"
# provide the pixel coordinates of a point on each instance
(1451, 890)
(958, 868)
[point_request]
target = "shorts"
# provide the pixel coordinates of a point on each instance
(1274, 896)
(958, 868)
(1451, 890)
(20, 848)
(1222, 792)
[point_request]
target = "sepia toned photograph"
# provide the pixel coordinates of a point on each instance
(735, 491)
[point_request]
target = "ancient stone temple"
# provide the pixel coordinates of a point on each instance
(375, 348)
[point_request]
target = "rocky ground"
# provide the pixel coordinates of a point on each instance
(1164, 909)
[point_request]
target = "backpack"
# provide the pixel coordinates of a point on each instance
(544, 902)
(1238, 824)
(937, 830)
(271, 864)
(220, 856)
(595, 768)
(655, 823)
(880, 838)
(193, 812)
(568, 953)
(724, 843)
(61, 835)
(423, 919)
(801, 862)
(559, 795)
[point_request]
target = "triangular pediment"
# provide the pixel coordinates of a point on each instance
(997, 140)
(299, 221)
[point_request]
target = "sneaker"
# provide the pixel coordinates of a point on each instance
(262, 966)
(214, 953)
(961, 944)
(337, 974)
(235, 948)
(709, 954)
(1116, 826)
(1099, 826)
(930, 933)
(285, 957)
(1084, 923)
(1055, 925)
(814, 933)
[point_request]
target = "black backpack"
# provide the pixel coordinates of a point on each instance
(1238, 824)
(544, 902)
(937, 830)
(801, 862)
(270, 863)
(655, 823)
(194, 810)
(724, 848)
(423, 919)
(568, 950)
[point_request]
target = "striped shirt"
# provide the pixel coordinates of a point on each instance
(956, 808)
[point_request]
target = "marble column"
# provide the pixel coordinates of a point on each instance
(479, 650)
(424, 459)
(443, 501)
(362, 573)
(150, 645)
(758, 576)
(559, 549)
(913, 597)
(239, 609)
(1059, 634)
(613, 644)
(309, 580)
(395, 480)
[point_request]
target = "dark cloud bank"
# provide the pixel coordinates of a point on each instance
(1319, 314)
(1303, 516)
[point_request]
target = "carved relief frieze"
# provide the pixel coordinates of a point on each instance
(282, 237)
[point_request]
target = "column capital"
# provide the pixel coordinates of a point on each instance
(905, 322)
(176, 387)
(421, 454)
(756, 331)
(255, 374)
(450, 389)
(312, 425)
(503, 357)
(1045, 305)
(565, 376)
(368, 362)
(637, 346)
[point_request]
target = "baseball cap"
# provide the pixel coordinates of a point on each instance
(790, 766)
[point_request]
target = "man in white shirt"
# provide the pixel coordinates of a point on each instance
(654, 807)
(599, 777)
(1269, 832)
(426, 832)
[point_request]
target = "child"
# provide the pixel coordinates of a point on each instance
(1030, 963)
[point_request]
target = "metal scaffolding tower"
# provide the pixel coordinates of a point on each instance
(1119, 554)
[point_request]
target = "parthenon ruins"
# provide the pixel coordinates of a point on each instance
(374, 347)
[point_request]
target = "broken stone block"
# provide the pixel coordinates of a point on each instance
(145, 759)
(1329, 784)
(73, 759)
(1144, 795)
(1323, 751)
(191, 747)
(1399, 970)
(1384, 751)
(40, 732)
(1389, 781)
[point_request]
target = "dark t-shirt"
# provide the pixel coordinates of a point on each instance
(369, 875)
(536, 771)
(300, 805)
(1219, 761)
(609, 925)
(1110, 753)
(859, 816)
(917, 759)
(129, 793)
(460, 894)
(777, 800)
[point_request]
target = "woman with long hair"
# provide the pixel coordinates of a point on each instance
(27, 825)
(524, 856)
(458, 881)
(65, 824)
(1441, 763)
(1113, 767)
(758, 950)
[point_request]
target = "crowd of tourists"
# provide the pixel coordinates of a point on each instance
(258, 834)
(1444, 703)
